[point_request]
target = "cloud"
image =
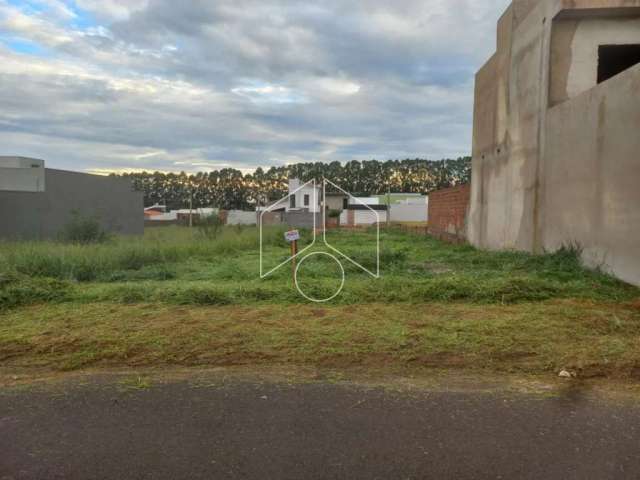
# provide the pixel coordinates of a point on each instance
(195, 85)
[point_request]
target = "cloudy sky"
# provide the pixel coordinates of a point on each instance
(112, 85)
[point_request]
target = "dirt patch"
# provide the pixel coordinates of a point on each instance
(513, 356)
(635, 305)
(440, 359)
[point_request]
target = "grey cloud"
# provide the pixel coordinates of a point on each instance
(155, 88)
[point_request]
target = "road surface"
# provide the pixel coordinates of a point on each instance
(251, 430)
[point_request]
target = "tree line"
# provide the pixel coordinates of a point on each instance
(231, 189)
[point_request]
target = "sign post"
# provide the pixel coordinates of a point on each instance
(292, 236)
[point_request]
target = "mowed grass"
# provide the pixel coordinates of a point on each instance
(592, 339)
(186, 297)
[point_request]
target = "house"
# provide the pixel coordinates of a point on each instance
(336, 201)
(38, 202)
(304, 196)
(555, 135)
(154, 212)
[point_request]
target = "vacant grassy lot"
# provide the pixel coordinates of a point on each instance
(180, 296)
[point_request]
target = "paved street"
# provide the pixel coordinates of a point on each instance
(246, 430)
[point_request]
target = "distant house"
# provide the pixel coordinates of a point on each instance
(301, 198)
(336, 201)
(38, 202)
(154, 211)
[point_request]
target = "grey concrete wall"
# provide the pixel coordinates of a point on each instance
(590, 192)
(302, 219)
(238, 217)
(574, 51)
(521, 146)
(408, 213)
(41, 215)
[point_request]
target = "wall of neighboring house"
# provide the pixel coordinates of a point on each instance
(335, 202)
(574, 51)
(554, 153)
(591, 176)
(42, 215)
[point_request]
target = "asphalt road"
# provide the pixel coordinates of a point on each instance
(310, 431)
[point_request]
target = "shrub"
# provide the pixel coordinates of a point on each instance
(83, 229)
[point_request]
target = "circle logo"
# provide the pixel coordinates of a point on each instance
(308, 297)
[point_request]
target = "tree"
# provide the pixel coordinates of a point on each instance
(230, 189)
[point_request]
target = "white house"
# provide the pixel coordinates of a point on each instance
(302, 198)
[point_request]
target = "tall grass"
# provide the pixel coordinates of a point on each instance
(183, 266)
(90, 262)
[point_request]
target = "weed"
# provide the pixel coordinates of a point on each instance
(83, 229)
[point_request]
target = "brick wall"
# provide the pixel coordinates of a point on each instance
(448, 211)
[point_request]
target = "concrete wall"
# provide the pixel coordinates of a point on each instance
(591, 179)
(574, 51)
(335, 202)
(513, 127)
(362, 217)
(27, 215)
(302, 219)
(238, 217)
(269, 218)
(408, 212)
(21, 174)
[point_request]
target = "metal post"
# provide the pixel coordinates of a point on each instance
(294, 252)
(388, 207)
(191, 209)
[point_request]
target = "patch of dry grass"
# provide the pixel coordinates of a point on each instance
(594, 339)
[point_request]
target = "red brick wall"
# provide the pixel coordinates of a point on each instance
(448, 211)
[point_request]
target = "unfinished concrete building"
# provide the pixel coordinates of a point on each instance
(556, 141)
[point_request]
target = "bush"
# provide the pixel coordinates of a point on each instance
(83, 229)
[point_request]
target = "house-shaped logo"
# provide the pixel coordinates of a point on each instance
(307, 203)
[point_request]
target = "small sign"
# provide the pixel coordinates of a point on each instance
(292, 236)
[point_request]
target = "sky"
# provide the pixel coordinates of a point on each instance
(122, 85)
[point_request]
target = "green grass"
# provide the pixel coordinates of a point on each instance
(181, 266)
(176, 296)
(592, 339)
